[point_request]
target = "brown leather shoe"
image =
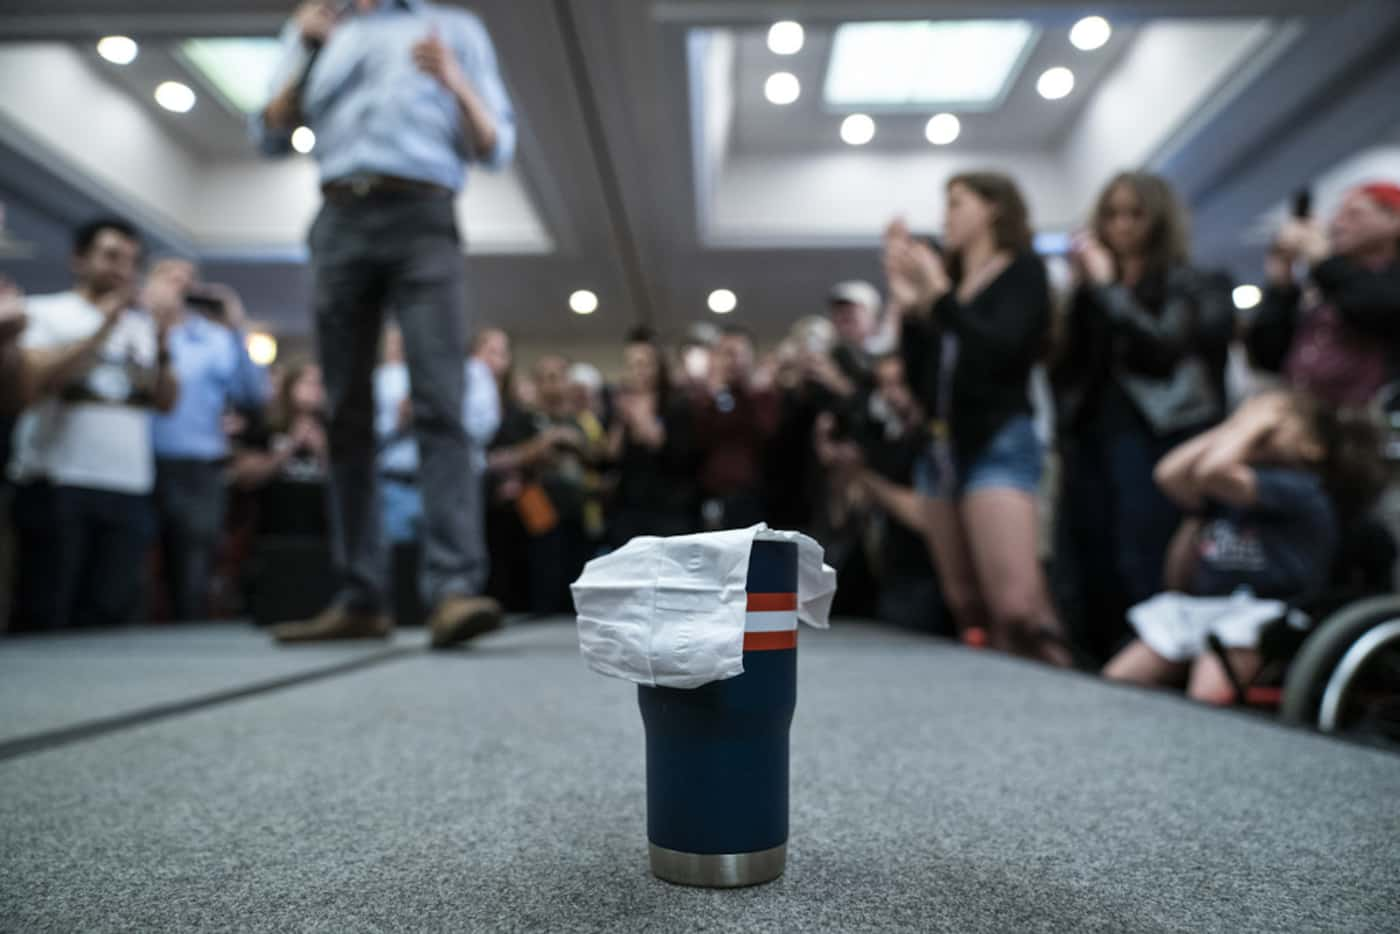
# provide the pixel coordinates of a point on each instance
(335, 622)
(457, 619)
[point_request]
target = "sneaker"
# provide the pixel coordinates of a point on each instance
(458, 619)
(333, 623)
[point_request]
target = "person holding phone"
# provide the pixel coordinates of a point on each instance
(402, 95)
(207, 349)
(1329, 322)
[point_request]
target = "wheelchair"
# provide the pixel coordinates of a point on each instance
(1341, 673)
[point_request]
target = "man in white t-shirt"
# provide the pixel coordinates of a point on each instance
(94, 369)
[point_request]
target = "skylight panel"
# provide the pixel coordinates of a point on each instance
(239, 69)
(944, 64)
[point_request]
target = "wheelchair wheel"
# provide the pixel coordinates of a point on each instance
(1346, 678)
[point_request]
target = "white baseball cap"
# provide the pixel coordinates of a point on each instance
(855, 292)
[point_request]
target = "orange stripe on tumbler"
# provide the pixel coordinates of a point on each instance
(770, 641)
(771, 602)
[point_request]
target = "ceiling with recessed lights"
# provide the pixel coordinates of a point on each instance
(686, 158)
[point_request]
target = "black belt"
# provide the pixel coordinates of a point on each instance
(400, 476)
(362, 186)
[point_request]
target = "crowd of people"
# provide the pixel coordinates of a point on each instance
(154, 468)
(1065, 474)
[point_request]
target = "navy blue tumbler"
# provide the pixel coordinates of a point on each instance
(717, 755)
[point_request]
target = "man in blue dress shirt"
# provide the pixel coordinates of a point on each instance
(401, 95)
(211, 360)
(398, 452)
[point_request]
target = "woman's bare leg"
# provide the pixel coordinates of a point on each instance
(957, 579)
(1210, 683)
(1002, 528)
(1140, 665)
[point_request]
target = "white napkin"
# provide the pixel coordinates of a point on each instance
(671, 611)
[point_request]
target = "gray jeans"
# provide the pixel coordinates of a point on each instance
(400, 253)
(190, 500)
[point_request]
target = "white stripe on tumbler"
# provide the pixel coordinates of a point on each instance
(771, 621)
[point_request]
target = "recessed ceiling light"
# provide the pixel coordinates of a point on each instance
(583, 302)
(175, 97)
(723, 301)
(303, 139)
(1090, 33)
(1247, 296)
(262, 348)
(942, 129)
(782, 88)
(1055, 83)
(785, 38)
(857, 129)
(119, 50)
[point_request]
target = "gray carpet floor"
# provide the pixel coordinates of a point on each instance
(48, 682)
(502, 788)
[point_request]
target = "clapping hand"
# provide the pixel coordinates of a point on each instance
(164, 295)
(915, 274)
(638, 410)
(307, 435)
(564, 436)
(114, 304)
(1091, 260)
(842, 457)
(233, 423)
(822, 369)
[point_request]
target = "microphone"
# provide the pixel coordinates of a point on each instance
(314, 48)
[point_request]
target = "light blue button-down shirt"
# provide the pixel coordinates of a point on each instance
(214, 371)
(375, 113)
(481, 415)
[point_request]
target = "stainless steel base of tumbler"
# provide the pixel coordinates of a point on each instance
(718, 870)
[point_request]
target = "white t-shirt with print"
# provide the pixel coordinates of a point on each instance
(96, 431)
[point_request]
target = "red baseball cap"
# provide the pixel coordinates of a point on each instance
(1386, 194)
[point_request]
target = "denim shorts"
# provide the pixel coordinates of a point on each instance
(1013, 459)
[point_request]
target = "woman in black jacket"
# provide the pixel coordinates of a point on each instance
(1141, 369)
(652, 445)
(976, 320)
